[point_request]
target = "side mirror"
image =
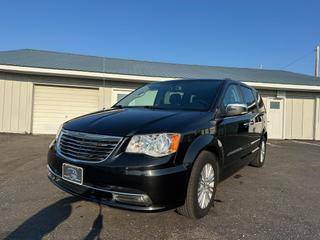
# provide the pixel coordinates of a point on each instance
(236, 109)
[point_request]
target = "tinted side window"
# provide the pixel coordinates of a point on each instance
(249, 99)
(231, 96)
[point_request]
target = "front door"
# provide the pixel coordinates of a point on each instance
(232, 131)
(254, 122)
(275, 118)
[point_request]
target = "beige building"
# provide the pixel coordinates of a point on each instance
(39, 90)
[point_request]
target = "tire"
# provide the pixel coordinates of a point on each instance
(261, 156)
(193, 207)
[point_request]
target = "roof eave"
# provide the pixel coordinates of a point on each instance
(80, 74)
(137, 78)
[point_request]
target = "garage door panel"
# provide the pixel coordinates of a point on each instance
(300, 118)
(55, 105)
(48, 98)
(297, 118)
(288, 123)
(308, 118)
(77, 97)
(64, 89)
(65, 106)
(59, 115)
(62, 112)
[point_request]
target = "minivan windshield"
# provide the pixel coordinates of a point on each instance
(197, 95)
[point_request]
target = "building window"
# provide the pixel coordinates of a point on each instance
(274, 105)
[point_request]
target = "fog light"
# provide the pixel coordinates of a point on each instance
(139, 199)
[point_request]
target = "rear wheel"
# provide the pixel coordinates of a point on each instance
(260, 158)
(202, 186)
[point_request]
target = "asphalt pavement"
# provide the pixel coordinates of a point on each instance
(278, 201)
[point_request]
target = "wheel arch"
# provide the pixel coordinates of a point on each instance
(204, 143)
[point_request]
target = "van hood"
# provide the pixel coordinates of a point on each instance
(130, 121)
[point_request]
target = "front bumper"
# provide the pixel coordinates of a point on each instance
(161, 187)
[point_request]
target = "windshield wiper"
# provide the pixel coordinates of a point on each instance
(152, 107)
(117, 106)
(148, 107)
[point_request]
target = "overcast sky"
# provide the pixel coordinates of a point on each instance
(270, 33)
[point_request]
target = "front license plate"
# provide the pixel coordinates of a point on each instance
(72, 173)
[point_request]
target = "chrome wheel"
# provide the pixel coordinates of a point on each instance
(206, 186)
(262, 151)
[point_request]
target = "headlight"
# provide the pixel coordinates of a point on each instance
(156, 145)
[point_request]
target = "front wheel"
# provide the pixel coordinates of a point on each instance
(202, 186)
(261, 157)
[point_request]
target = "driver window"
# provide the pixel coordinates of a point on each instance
(231, 96)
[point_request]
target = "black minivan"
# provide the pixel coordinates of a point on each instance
(165, 146)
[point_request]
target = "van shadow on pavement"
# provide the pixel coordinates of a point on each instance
(47, 219)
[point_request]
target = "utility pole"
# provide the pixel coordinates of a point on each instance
(316, 70)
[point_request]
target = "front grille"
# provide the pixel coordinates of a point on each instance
(86, 147)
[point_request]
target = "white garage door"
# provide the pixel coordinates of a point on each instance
(300, 118)
(55, 105)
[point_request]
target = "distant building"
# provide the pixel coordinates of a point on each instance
(41, 89)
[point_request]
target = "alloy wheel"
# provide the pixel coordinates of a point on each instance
(206, 186)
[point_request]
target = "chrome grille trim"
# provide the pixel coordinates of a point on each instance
(86, 147)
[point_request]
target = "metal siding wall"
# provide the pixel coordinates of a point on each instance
(6, 118)
(29, 97)
(1, 103)
(297, 118)
(15, 106)
(288, 123)
(317, 120)
(267, 93)
(308, 115)
(104, 98)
